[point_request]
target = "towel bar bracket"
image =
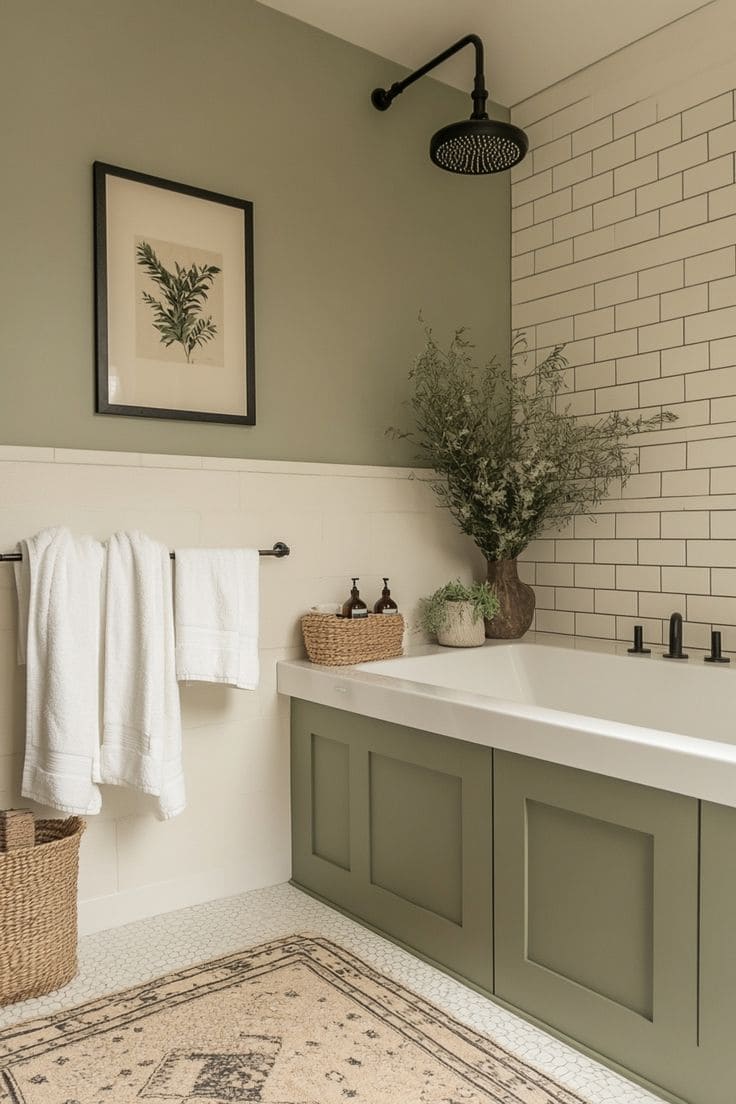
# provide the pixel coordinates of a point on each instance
(279, 550)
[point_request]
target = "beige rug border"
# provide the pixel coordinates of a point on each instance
(301, 942)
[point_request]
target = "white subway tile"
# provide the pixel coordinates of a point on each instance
(635, 117)
(711, 553)
(591, 136)
(534, 237)
(621, 344)
(614, 210)
(721, 293)
(539, 550)
(572, 171)
(600, 374)
(659, 135)
(598, 526)
(594, 624)
(615, 551)
(664, 277)
(646, 485)
(662, 392)
(723, 581)
(678, 216)
(642, 171)
(610, 156)
(636, 577)
(723, 410)
(684, 155)
(555, 622)
(598, 576)
(590, 245)
(717, 453)
(635, 525)
(522, 266)
(684, 484)
(658, 194)
(722, 202)
(652, 629)
(545, 597)
(662, 552)
(706, 177)
(640, 312)
(633, 230)
(662, 457)
(663, 335)
(621, 397)
(593, 190)
(722, 140)
(624, 602)
(553, 256)
(570, 226)
(521, 217)
(685, 358)
(552, 153)
(555, 332)
(554, 574)
(570, 598)
(706, 116)
(661, 605)
(711, 325)
(723, 352)
(710, 266)
(593, 323)
(689, 300)
(618, 290)
(712, 610)
(532, 188)
(707, 385)
(581, 403)
(686, 580)
(694, 524)
(691, 413)
(722, 525)
(574, 551)
(549, 206)
(564, 305)
(640, 367)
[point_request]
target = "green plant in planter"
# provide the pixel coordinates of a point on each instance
(433, 610)
(508, 458)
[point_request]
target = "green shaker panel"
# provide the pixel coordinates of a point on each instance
(596, 889)
(331, 801)
(408, 848)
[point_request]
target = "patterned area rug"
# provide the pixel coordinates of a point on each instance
(295, 1021)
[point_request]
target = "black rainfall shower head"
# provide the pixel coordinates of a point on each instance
(476, 146)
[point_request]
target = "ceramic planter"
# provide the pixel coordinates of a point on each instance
(460, 630)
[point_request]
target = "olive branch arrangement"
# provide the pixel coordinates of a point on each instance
(507, 457)
(179, 318)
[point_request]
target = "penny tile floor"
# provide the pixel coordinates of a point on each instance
(114, 959)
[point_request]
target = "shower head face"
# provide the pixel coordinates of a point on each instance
(475, 147)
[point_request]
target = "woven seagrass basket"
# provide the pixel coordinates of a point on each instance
(338, 642)
(38, 911)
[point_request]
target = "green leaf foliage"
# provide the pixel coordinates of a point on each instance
(433, 610)
(178, 315)
(508, 457)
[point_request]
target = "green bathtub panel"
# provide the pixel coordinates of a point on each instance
(331, 801)
(419, 842)
(596, 918)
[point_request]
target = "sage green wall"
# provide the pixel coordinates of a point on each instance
(355, 230)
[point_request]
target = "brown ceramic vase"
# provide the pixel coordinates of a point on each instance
(516, 601)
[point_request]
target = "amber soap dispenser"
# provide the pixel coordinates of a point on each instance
(355, 606)
(385, 603)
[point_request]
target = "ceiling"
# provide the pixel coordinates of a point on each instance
(530, 44)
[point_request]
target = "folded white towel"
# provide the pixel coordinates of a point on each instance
(141, 744)
(216, 607)
(58, 582)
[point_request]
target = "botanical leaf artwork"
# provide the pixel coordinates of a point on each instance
(179, 315)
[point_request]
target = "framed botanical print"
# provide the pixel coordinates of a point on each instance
(174, 300)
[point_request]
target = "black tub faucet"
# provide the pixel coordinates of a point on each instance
(675, 651)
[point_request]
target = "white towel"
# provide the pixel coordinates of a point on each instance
(217, 616)
(59, 583)
(141, 745)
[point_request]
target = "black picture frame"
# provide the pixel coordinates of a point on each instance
(104, 403)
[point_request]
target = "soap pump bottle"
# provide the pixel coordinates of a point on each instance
(355, 606)
(385, 603)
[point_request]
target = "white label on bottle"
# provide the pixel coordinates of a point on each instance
(358, 613)
(385, 611)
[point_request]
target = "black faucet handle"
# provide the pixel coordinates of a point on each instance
(715, 649)
(639, 648)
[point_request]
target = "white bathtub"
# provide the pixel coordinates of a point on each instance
(664, 723)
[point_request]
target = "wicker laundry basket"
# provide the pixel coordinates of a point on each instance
(338, 642)
(38, 911)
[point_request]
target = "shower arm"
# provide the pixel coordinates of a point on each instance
(382, 98)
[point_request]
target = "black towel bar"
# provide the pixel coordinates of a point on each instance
(279, 550)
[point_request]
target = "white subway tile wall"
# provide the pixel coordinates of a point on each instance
(339, 521)
(628, 254)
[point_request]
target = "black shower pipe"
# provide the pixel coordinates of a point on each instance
(382, 98)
